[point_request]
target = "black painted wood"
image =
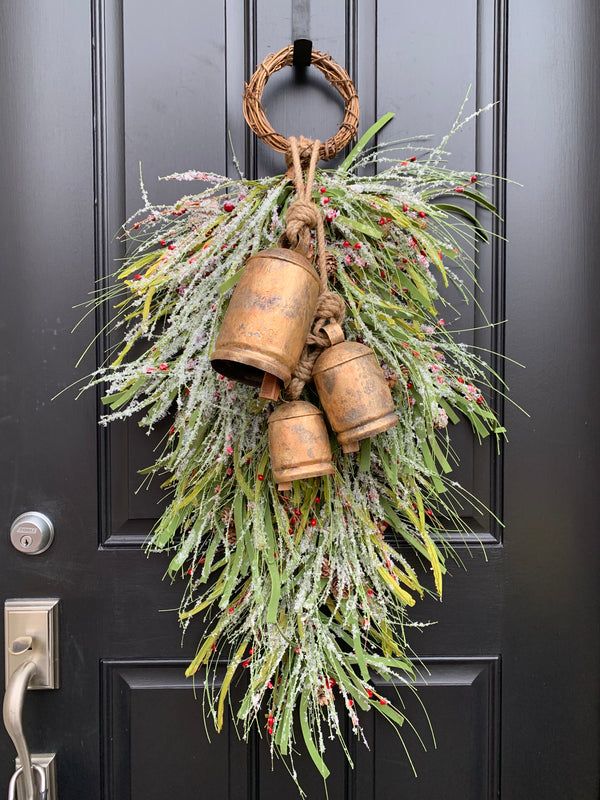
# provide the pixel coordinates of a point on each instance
(88, 90)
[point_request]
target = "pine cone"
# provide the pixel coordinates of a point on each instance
(324, 696)
(335, 589)
(231, 534)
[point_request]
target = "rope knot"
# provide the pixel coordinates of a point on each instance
(330, 306)
(304, 147)
(302, 216)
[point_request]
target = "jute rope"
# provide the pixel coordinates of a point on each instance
(337, 77)
(302, 216)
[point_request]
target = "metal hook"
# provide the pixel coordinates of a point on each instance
(301, 34)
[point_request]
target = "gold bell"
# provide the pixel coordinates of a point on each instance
(298, 443)
(354, 393)
(266, 324)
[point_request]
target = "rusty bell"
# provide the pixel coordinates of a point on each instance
(354, 393)
(298, 443)
(267, 321)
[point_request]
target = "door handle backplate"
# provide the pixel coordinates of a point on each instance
(31, 634)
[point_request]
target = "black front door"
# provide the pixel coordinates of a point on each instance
(89, 90)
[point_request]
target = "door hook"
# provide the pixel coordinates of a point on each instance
(302, 55)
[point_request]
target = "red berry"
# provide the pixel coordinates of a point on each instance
(171, 430)
(460, 380)
(231, 609)
(409, 385)
(171, 247)
(246, 662)
(138, 277)
(382, 220)
(313, 522)
(405, 207)
(404, 163)
(136, 225)
(228, 206)
(422, 214)
(357, 245)
(163, 367)
(459, 189)
(346, 244)
(317, 499)
(269, 685)
(350, 702)
(260, 477)
(323, 189)
(251, 651)
(473, 178)
(326, 200)
(369, 693)
(383, 701)
(412, 158)
(162, 243)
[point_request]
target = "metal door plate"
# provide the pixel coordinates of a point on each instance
(39, 620)
(47, 761)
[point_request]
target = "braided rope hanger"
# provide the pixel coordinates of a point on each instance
(302, 216)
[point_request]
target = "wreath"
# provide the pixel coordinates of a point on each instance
(302, 548)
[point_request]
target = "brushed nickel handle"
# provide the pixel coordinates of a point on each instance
(12, 711)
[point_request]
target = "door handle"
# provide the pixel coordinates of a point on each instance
(12, 712)
(31, 662)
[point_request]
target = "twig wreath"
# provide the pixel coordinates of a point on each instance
(302, 546)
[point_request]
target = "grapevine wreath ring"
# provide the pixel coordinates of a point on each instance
(336, 75)
(301, 546)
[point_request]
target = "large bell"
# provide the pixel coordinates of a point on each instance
(298, 443)
(354, 393)
(268, 318)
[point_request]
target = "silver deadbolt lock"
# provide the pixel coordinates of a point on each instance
(32, 533)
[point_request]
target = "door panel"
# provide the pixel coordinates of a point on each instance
(90, 90)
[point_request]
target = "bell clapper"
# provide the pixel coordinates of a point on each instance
(351, 447)
(270, 387)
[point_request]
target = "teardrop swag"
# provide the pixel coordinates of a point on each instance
(296, 545)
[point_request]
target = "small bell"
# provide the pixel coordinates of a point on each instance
(354, 393)
(267, 321)
(298, 443)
